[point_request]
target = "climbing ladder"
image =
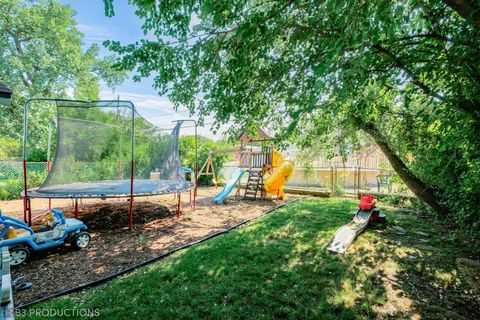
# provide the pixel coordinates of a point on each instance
(254, 184)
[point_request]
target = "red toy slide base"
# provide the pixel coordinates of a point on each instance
(367, 202)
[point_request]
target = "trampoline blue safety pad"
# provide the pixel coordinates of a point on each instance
(110, 189)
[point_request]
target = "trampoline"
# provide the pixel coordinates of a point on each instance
(105, 149)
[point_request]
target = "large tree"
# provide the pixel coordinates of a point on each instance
(405, 72)
(41, 56)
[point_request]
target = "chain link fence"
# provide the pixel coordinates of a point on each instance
(11, 177)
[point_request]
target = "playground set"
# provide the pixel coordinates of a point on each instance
(266, 168)
(104, 149)
(100, 153)
(94, 142)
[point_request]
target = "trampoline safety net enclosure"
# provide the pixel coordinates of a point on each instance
(99, 143)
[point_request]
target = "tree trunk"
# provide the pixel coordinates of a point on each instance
(418, 187)
(465, 9)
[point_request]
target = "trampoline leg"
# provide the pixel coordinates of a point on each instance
(195, 193)
(191, 205)
(76, 208)
(29, 212)
(48, 170)
(130, 214)
(196, 187)
(25, 188)
(130, 209)
(179, 205)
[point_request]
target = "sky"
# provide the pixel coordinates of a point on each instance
(125, 27)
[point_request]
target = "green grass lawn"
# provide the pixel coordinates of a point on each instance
(277, 267)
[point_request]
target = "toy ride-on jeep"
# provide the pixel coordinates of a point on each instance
(55, 230)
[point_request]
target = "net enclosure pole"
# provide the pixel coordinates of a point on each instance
(132, 174)
(48, 159)
(196, 167)
(25, 195)
(196, 160)
(25, 183)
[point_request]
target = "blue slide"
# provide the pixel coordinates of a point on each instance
(229, 185)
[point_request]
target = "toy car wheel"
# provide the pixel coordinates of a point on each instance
(81, 240)
(18, 255)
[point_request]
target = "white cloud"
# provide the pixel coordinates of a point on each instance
(70, 92)
(97, 33)
(148, 105)
(159, 111)
(194, 20)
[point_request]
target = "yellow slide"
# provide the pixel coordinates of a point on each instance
(281, 173)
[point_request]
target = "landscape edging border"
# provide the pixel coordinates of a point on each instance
(149, 261)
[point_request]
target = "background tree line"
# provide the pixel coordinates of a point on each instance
(41, 56)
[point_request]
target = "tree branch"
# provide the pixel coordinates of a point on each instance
(465, 9)
(18, 45)
(408, 72)
(425, 35)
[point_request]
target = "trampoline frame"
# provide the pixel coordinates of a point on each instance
(27, 210)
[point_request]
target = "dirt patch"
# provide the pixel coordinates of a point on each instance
(108, 216)
(114, 248)
(418, 272)
(470, 271)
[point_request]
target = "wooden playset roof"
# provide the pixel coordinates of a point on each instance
(246, 137)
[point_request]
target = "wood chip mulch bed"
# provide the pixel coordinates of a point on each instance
(113, 247)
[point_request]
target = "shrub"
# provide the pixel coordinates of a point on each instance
(10, 148)
(339, 190)
(10, 189)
